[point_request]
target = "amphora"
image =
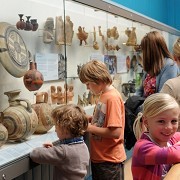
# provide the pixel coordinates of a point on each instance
(43, 111)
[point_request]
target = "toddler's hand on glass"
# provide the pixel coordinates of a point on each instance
(48, 145)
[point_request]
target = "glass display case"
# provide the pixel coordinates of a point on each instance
(60, 36)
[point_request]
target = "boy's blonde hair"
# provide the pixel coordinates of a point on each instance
(95, 71)
(153, 106)
(71, 118)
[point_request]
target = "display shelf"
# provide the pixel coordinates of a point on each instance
(12, 151)
(15, 155)
(15, 151)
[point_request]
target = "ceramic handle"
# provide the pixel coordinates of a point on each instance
(28, 104)
(45, 97)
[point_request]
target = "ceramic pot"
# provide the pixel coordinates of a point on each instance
(34, 24)
(21, 24)
(3, 132)
(19, 118)
(43, 111)
(29, 26)
(33, 79)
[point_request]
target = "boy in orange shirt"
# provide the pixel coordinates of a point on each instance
(107, 125)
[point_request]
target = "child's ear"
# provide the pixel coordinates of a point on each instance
(145, 121)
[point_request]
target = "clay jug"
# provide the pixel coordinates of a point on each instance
(43, 111)
(3, 132)
(29, 26)
(34, 24)
(21, 24)
(19, 118)
(33, 79)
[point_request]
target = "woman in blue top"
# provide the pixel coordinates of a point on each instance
(158, 64)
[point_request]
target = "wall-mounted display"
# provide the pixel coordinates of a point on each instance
(69, 34)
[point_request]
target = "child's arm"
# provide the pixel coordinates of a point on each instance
(109, 132)
(150, 154)
(174, 172)
(43, 155)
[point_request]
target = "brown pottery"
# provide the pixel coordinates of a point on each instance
(21, 24)
(19, 118)
(29, 26)
(34, 24)
(3, 132)
(43, 111)
(33, 79)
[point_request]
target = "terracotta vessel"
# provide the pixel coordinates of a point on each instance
(19, 118)
(29, 26)
(33, 79)
(3, 132)
(35, 25)
(21, 24)
(43, 111)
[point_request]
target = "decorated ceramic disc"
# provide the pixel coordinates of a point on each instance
(14, 55)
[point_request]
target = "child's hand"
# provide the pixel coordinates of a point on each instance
(90, 128)
(48, 145)
(89, 118)
(178, 143)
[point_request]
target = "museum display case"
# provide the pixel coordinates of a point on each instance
(42, 47)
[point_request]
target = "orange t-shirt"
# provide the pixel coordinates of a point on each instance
(109, 112)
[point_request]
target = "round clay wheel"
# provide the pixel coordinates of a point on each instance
(14, 55)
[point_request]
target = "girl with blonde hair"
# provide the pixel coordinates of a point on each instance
(158, 144)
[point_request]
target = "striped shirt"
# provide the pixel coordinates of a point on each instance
(148, 158)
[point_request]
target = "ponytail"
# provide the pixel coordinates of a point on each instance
(138, 126)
